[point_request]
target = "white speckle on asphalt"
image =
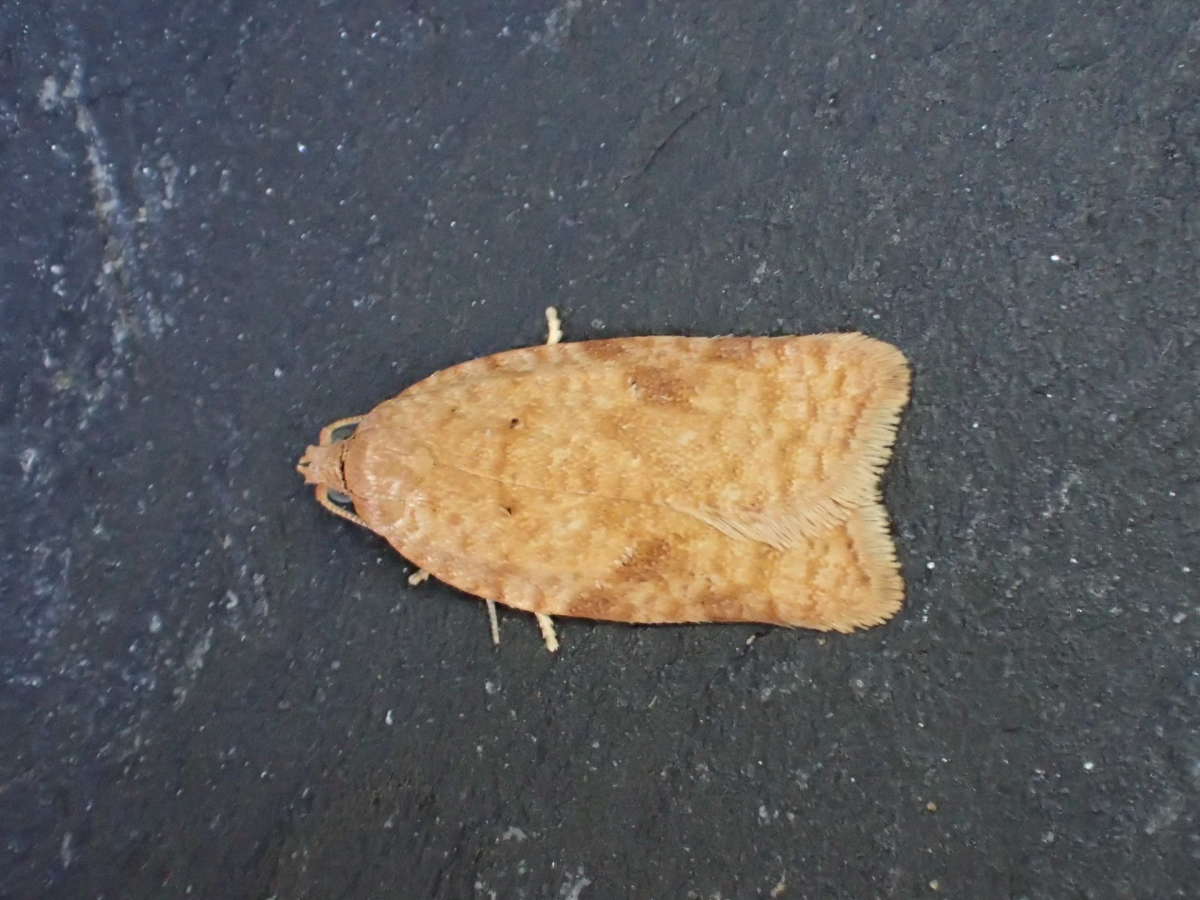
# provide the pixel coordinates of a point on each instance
(48, 96)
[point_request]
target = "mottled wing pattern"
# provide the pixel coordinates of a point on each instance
(658, 479)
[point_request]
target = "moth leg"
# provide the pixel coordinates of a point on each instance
(493, 621)
(546, 624)
(421, 575)
(553, 326)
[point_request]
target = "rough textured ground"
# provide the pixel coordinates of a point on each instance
(226, 223)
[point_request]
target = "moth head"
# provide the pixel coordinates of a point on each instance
(324, 465)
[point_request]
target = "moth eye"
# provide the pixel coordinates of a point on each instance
(341, 434)
(340, 498)
(513, 423)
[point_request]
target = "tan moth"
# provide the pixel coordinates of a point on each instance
(646, 479)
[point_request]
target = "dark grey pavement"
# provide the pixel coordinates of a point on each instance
(226, 223)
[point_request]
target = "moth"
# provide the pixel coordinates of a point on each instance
(642, 480)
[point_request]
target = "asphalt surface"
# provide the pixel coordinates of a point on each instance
(227, 223)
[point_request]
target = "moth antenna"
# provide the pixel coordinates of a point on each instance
(322, 493)
(327, 432)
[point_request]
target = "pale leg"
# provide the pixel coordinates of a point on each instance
(495, 623)
(547, 625)
(553, 326)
